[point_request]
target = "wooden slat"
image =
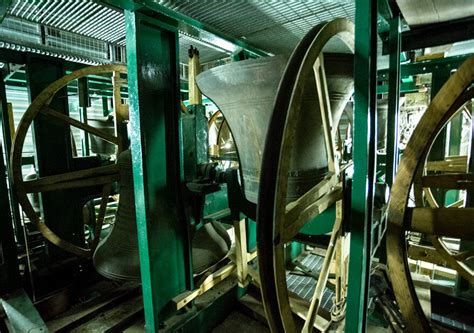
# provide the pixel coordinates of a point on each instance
(85, 177)
(325, 109)
(449, 181)
(76, 123)
(181, 300)
(309, 213)
(451, 163)
(295, 208)
(425, 253)
(448, 222)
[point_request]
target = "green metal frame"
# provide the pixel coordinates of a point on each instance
(9, 275)
(165, 260)
(365, 81)
(61, 209)
(393, 100)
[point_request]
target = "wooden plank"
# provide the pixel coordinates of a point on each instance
(110, 171)
(311, 212)
(325, 109)
(183, 299)
(85, 312)
(295, 208)
(425, 253)
(450, 163)
(241, 252)
(115, 318)
(448, 222)
(458, 181)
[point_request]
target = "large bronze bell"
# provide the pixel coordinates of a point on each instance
(116, 256)
(245, 92)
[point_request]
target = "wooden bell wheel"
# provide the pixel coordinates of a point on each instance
(100, 176)
(277, 222)
(435, 221)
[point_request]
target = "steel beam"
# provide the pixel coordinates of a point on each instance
(365, 81)
(165, 263)
(393, 101)
(62, 210)
(9, 275)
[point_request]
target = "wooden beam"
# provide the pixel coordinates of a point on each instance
(74, 179)
(450, 163)
(309, 213)
(449, 181)
(448, 222)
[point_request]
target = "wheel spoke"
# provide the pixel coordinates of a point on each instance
(323, 277)
(75, 179)
(449, 222)
(325, 108)
(451, 164)
(76, 123)
(309, 212)
(450, 181)
(464, 270)
(425, 253)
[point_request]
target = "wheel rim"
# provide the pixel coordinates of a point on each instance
(95, 176)
(438, 113)
(271, 212)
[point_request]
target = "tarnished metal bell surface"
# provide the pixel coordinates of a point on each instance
(245, 92)
(116, 256)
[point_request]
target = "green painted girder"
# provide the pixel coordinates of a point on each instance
(427, 66)
(62, 209)
(9, 275)
(164, 247)
(404, 88)
(21, 313)
(393, 100)
(7, 141)
(365, 81)
(187, 25)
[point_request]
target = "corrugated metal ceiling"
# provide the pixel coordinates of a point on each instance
(273, 26)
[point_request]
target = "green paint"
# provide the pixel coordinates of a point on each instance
(321, 224)
(365, 80)
(62, 210)
(428, 66)
(393, 100)
(152, 60)
(9, 275)
(251, 235)
(21, 313)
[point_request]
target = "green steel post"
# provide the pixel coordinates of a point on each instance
(84, 103)
(9, 275)
(365, 67)
(7, 141)
(152, 60)
(62, 210)
(393, 100)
